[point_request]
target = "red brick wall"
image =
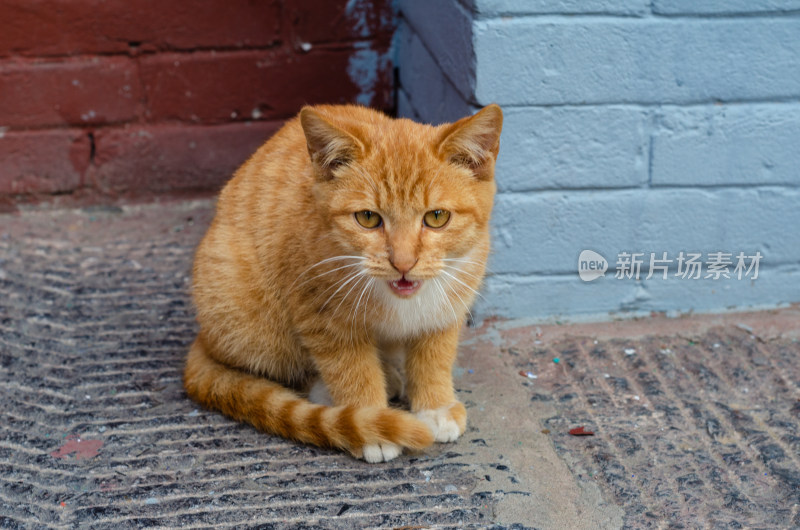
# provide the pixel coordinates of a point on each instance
(101, 99)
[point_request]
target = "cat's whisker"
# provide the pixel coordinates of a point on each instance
(462, 271)
(328, 272)
(344, 297)
(445, 299)
(468, 261)
(354, 312)
(341, 283)
(371, 286)
(461, 259)
(352, 277)
(462, 283)
(322, 262)
(460, 299)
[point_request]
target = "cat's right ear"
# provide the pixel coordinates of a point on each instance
(328, 146)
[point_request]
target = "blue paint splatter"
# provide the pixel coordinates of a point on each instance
(358, 12)
(363, 70)
(365, 63)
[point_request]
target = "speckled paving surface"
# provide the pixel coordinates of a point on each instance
(692, 431)
(97, 430)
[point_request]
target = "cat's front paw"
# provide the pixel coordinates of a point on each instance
(375, 453)
(447, 423)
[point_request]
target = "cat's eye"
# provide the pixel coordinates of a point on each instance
(368, 219)
(436, 218)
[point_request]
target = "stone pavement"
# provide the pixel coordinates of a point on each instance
(696, 420)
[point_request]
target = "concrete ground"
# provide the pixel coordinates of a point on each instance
(696, 420)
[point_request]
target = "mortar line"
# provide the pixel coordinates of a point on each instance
(668, 105)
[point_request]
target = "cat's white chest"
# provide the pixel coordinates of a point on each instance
(428, 310)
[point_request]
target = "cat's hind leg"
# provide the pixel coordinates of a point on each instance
(273, 408)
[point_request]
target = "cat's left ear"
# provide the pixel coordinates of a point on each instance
(474, 141)
(329, 146)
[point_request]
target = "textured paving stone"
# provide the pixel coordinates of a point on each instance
(697, 432)
(95, 320)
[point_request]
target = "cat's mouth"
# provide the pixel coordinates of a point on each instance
(404, 288)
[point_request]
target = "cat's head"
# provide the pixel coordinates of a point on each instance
(413, 200)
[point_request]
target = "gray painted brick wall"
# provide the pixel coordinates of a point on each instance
(630, 126)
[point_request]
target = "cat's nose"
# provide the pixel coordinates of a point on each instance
(403, 264)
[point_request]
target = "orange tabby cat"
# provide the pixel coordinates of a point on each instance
(338, 270)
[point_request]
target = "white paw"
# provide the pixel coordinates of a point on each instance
(374, 453)
(443, 427)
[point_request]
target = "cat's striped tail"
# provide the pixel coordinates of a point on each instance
(375, 434)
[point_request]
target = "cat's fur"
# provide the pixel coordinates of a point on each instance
(293, 295)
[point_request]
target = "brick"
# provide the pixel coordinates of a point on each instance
(541, 61)
(573, 147)
(433, 96)
(544, 233)
(53, 27)
(494, 8)
(540, 297)
(727, 145)
(774, 285)
(312, 21)
(446, 30)
(218, 87)
(38, 162)
(71, 91)
(162, 158)
(729, 7)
